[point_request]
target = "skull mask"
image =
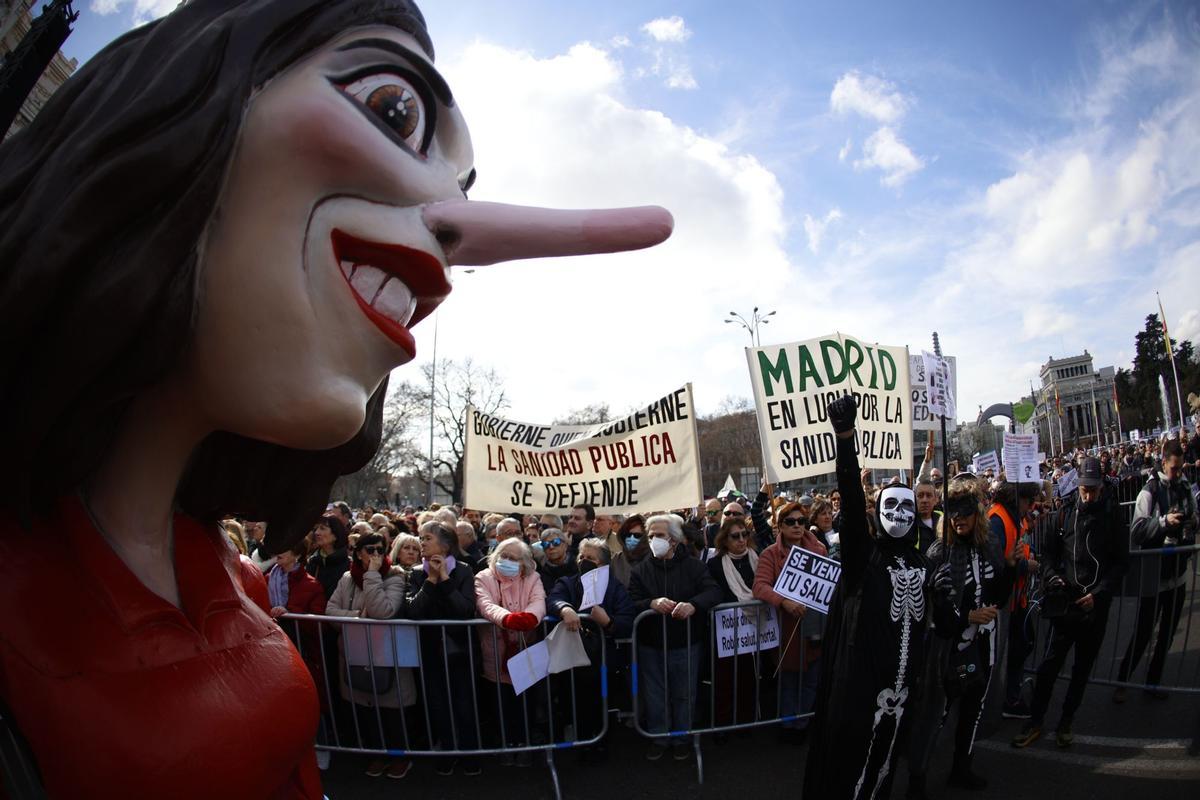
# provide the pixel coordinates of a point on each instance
(897, 510)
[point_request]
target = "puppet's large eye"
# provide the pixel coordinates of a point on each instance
(396, 103)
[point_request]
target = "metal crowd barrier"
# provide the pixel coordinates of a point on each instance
(427, 653)
(1139, 612)
(728, 688)
(1140, 598)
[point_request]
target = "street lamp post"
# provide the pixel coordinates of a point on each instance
(751, 325)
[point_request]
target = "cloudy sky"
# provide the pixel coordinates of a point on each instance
(1020, 177)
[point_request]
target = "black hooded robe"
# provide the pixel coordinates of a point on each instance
(873, 652)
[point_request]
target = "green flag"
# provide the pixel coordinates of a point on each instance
(1022, 412)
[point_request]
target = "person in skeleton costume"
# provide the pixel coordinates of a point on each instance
(973, 580)
(874, 642)
(267, 194)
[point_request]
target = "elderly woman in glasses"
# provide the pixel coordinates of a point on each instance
(797, 663)
(556, 545)
(732, 567)
(373, 589)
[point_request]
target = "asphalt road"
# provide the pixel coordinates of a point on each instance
(1120, 751)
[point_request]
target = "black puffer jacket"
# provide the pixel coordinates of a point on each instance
(328, 569)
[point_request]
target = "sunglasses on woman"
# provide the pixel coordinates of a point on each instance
(737, 537)
(792, 522)
(555, 542)
(375, 550)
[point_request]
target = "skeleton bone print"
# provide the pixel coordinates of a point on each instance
(907, 607)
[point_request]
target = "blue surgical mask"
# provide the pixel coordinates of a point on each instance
(509, 569)
(537, 547)
(492, 544)
(631, 542)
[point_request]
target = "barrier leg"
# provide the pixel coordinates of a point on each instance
(553, 774)
(699, 759)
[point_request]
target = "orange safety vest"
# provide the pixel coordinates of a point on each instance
(1012, 538)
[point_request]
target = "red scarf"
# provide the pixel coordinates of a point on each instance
(357, 569)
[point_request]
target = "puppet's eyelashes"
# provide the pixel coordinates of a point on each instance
(397, 104)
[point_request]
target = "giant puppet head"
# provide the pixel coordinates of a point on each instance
(245, 206)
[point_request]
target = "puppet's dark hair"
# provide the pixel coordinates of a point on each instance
(104, 199)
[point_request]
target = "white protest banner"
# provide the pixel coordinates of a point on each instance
(1135, 435)
(793, 386)
(985, 461)
(1041, 457)
(595, 584)
(937, 379)
(647, 460)
(922, 418)
(745, 630)
(1020, 458)
(809, 579)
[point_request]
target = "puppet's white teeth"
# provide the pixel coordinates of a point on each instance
(366, 281)
(396, 302)
(347, 268)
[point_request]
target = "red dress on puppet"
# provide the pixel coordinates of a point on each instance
(92, 664)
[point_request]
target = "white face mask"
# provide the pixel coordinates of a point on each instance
(659, 547)
(897, 510)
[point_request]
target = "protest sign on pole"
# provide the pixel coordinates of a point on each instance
(985, 461)
(793, 386)
(647, 460)
(923, 419)
(1067, 483)
(809, 579)
(745, 630)
(1020, 458)
(937, 379)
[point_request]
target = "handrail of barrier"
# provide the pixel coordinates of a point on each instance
(311, 630)
(718, 705)
(1153, 607)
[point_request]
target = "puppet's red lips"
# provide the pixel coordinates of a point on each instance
(395, 286)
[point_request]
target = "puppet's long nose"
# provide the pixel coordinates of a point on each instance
(477, 233)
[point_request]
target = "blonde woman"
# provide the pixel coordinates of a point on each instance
(406, 551)
(963, 651)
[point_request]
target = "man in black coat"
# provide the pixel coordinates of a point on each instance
(679, 588)
(1083, 563)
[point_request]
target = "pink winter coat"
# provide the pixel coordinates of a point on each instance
(770, 564)
(497, 597)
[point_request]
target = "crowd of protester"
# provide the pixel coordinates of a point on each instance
(1003, 550)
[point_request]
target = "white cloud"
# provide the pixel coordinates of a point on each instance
(562, 330)
(1188, 327)
(667, 29)
(815, 228)
(620, 41)
(669, 62)
(141, 11)
(869, 96)
(847, 148)
(883, 150)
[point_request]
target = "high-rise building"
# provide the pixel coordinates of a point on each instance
(16, 18)
(1085, 397)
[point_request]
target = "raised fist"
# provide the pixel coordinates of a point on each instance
(842, 413)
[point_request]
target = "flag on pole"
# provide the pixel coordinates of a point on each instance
(1166, 334)
(1116, 402)
(1057, 404)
